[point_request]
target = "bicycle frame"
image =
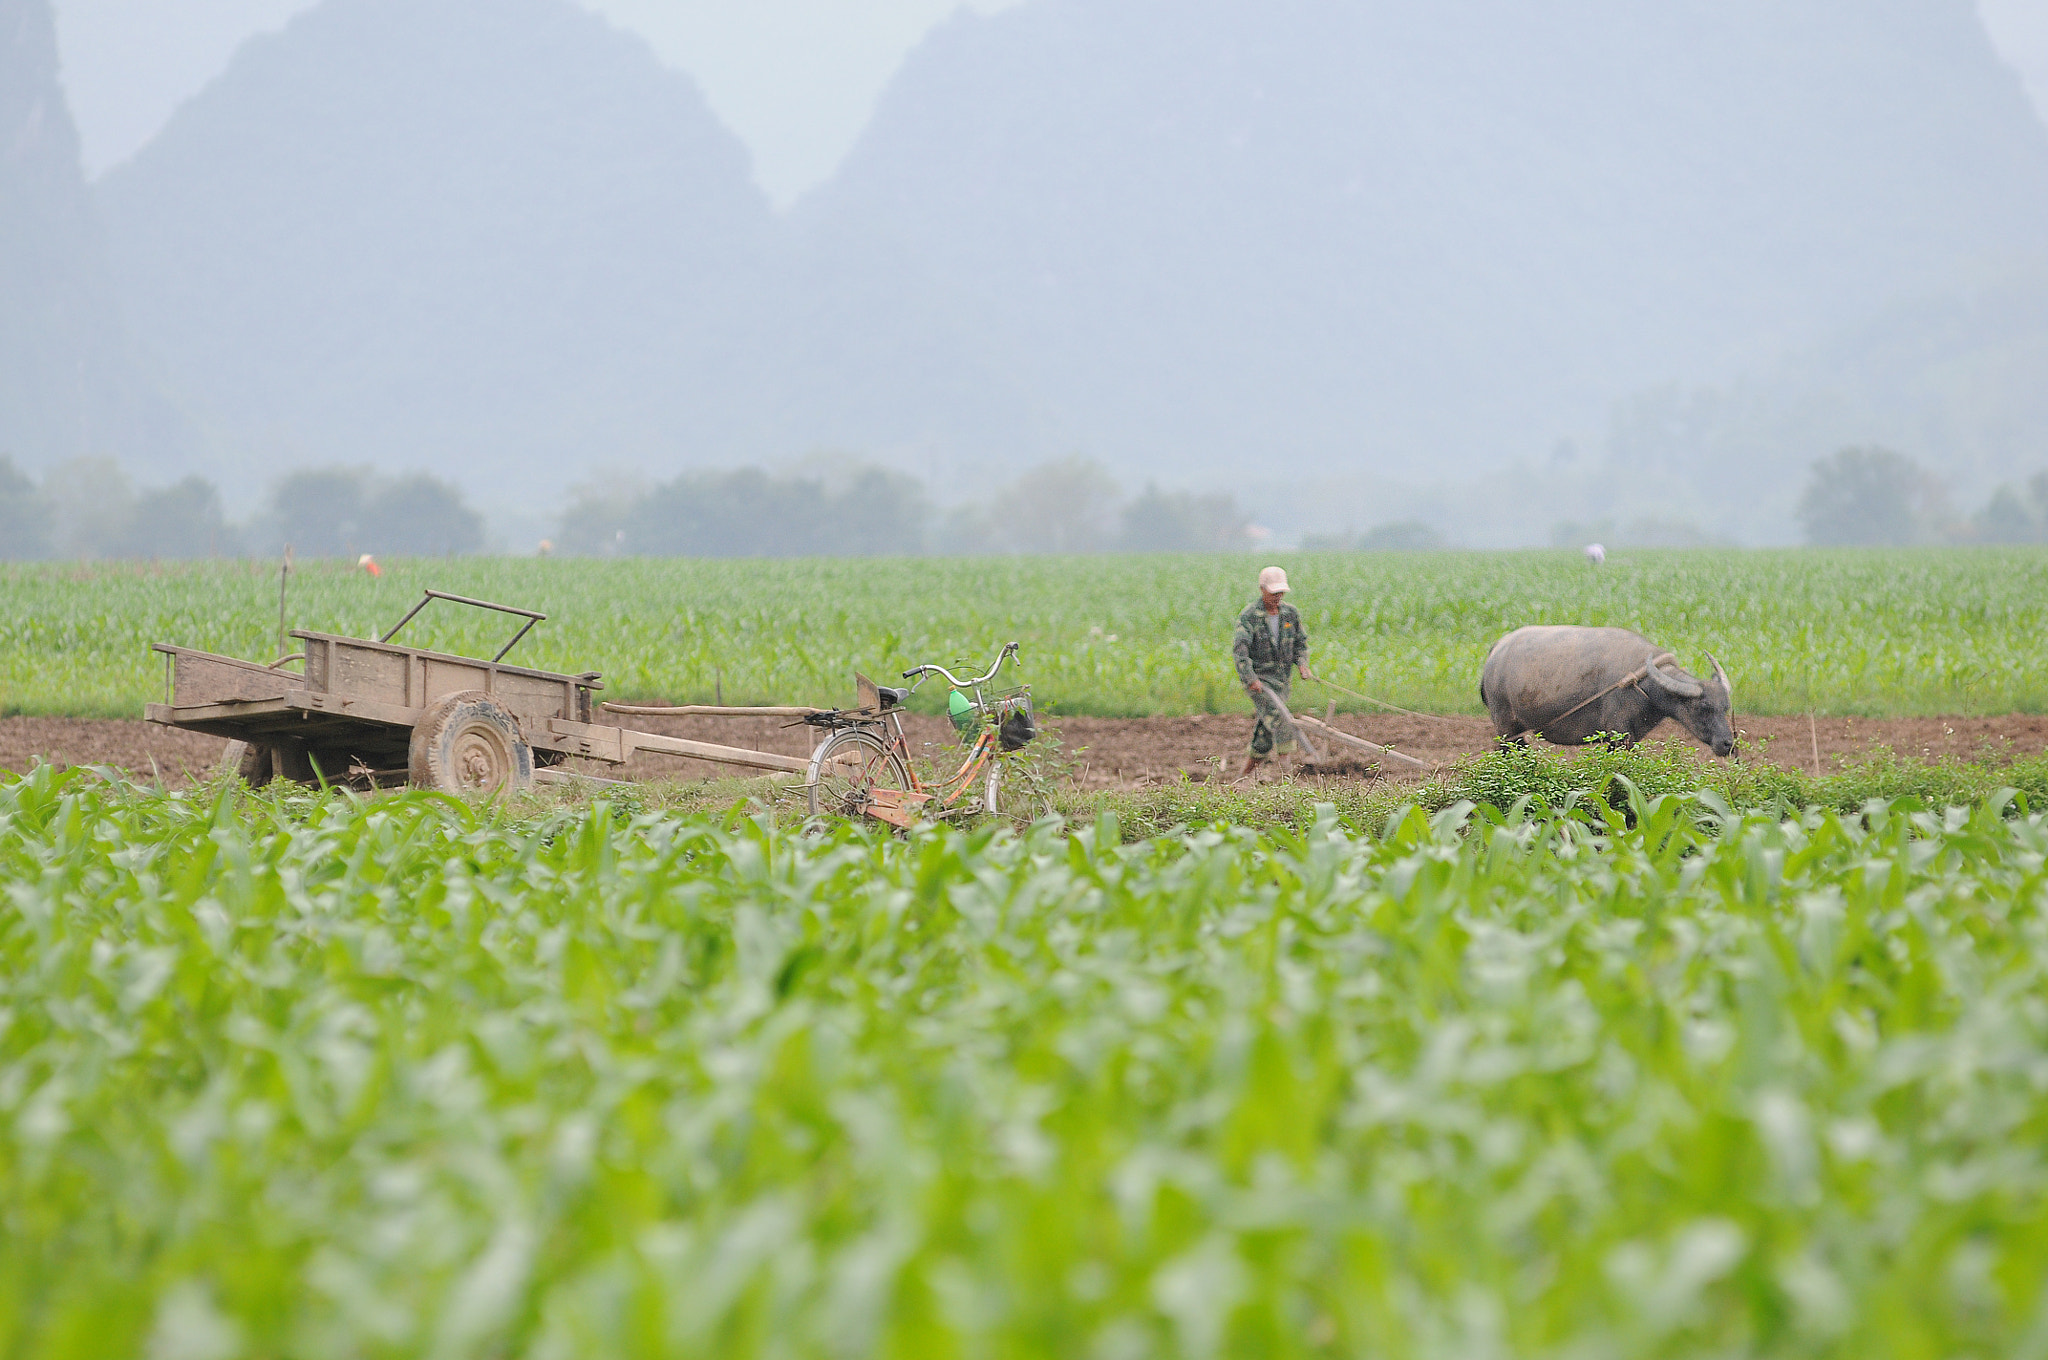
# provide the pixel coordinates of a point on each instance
(904, 807)
(956, 785)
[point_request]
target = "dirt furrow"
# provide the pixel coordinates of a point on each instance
(1102, 752)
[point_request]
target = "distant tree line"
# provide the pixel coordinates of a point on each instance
(1070, 506)
(341, 512)
(749, 513)
(1406, 535)
(1878, 497)
(88, 508)
(1863, 495)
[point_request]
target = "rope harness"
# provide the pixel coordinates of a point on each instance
(1634, 677)
(1332, 684)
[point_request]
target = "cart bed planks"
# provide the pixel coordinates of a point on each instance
(367, 711)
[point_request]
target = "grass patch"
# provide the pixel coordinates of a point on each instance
(1501, 779)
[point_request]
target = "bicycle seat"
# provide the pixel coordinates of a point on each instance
(877, 698)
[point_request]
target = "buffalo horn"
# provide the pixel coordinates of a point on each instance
(1671, 684)
(1722, 676)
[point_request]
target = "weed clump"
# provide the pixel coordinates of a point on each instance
(1501, 779)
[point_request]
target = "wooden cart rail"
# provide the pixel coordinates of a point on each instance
(617, 745)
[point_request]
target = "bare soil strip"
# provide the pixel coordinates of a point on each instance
(1105, 753)
(1115, 753)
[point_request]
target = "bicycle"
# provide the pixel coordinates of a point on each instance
(864, 768)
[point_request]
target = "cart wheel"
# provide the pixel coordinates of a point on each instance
(249, 761)
(466, 743)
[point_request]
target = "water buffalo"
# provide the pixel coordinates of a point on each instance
(1535, 676)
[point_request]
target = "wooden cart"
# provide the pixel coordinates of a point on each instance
(370, 713)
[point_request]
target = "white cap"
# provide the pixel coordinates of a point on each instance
(1273, 581)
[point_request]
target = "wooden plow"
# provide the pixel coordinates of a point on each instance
(1322, 726)
(1373, 749)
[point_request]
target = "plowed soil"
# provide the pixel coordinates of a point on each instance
(1104, 752)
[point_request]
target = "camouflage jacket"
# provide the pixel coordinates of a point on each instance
(1253, 644)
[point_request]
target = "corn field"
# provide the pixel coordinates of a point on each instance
(310, 1076)
(1877, 633)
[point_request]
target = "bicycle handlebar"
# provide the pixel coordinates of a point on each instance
(1009, 650)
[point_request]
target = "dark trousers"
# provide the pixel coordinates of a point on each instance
(1272, 733)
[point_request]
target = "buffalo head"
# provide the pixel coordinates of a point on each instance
(1701, 707)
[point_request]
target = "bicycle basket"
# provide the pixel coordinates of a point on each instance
(1018, 726)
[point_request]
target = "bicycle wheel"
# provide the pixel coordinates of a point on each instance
(847, 769)
(995, 777)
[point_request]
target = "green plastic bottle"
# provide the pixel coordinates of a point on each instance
(960, 709)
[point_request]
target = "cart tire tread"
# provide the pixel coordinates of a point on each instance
(467, 743)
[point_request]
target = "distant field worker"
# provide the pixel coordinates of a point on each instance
(1268, 645)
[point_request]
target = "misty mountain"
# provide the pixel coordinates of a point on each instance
(1309, 247)
(69, 386)
(1202, 234)
(493, 238)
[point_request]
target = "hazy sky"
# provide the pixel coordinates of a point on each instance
(794, 78)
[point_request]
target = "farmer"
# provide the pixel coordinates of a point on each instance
(1269, 643)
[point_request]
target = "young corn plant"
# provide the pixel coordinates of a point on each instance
(317, 1076)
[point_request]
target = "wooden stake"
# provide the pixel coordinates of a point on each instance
(284, 578)
(1813, 735)
(709, 711)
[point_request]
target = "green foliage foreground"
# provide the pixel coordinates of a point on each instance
(1599, 774)
(323, 1078)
